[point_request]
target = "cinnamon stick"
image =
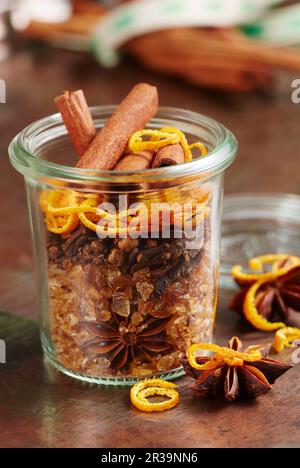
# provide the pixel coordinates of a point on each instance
(131, 115)
(136, 162)
(169, 156)
(77, 118)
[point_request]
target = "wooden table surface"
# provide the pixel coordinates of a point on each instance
(40, 408)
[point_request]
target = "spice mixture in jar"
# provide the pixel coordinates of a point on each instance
(131, 268)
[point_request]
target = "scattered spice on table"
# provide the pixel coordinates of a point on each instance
(269, 300)
(141, 391)
(231, 372)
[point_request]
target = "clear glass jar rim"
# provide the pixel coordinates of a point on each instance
(261, 205)
(216, 161)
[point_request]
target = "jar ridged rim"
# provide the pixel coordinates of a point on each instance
(217, 160)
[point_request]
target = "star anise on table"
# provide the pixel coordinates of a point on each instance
(114, 340)
(276, 300)
(251, 380)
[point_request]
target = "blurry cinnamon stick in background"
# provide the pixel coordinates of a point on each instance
(211, 58)
(222, 58)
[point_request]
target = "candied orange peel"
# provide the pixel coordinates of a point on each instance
(222, 356)
(257, 264)
(285, 338)
(150, 387)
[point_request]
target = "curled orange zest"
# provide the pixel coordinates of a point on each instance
(44, 197)
(161, 138)
(257, 263)
(199, 146)
(158, 139)
(222, 356)
(60, 224)
(182, 140)
(63, 210)
(55, 203)
(285, 337)
(146, 388)
(251, 313)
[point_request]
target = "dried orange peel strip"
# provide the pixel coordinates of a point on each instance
(61, 225)
(59, 200)
(92, 218)
(64, 208)
(182, 140)
(285, 337)
(161, 138)
(222, 356)
(63, 211)
(158, 139)
(61, 204)
(257, 263)
(251, 313)
(141, 390)
(44, 197)
(89, 221)
(200, 147)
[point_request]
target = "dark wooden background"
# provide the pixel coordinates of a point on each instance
(41, 408)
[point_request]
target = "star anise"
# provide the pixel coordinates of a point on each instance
(278, 300)
(121, 346)
(249, 380)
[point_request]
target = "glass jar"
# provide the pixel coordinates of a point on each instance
(127, 262)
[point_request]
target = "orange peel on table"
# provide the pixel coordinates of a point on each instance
(151, 387)
(222, 356)
(258, 263)
(280, 264)
(251, 313)
(285, 337)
